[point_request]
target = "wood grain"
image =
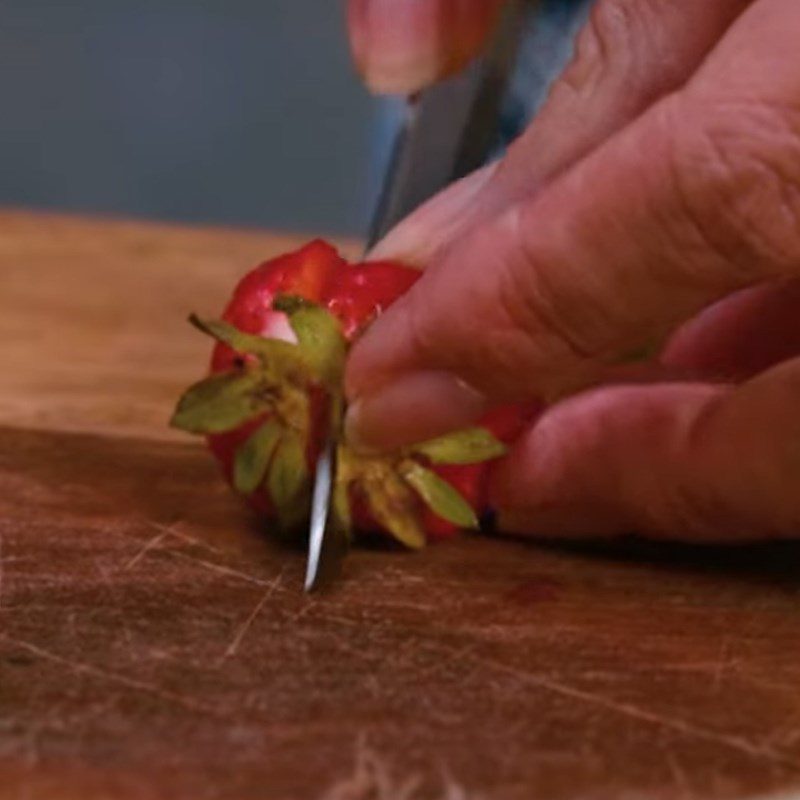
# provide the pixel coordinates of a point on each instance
(154, 642)
(93, 332)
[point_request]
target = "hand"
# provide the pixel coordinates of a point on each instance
(654, 205)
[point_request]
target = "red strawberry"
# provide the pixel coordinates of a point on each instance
(471, 480)
(363, 291)
(275, 390)
(307, 273)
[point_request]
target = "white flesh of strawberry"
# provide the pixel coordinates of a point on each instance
(277, 327)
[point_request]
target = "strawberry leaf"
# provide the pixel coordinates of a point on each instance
(440, 496)
(252, 458)
(394, 506)
(220, 403)
(273, 352)
(319, 338)
(468, 446)
(288, 479)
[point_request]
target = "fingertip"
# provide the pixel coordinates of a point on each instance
(399, 48)
(394, 45)
(412, 408)
(416, 239)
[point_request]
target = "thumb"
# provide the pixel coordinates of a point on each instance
(693, 200)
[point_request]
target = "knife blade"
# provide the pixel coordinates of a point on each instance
(447, 131)
(328, 538)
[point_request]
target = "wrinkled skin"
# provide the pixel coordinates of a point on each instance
(652, 207)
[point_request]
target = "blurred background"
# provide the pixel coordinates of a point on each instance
(244, 112)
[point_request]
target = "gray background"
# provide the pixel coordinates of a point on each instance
(231, 111)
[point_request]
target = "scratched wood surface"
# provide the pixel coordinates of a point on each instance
(154, 642)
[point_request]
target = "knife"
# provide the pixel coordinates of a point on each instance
(448, 131)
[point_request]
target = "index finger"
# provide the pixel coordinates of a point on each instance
(400, 47)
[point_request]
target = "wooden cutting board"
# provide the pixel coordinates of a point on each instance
(154, 642)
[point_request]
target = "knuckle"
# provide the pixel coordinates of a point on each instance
(734, 464)
(617, 36)
(601, 40)
(763, 414)
(683, 496)
(489, 324)
(491, 335)
(551, 324)
(738, 180)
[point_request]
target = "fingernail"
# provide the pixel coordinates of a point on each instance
(396, 46)
(413, 409)
(416, 239)
(401, 47)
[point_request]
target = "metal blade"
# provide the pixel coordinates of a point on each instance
(328, 541)
(448, 131)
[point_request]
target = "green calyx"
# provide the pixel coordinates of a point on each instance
(273, 382)
(396, 487)
(319, 339)
(254, 456)
(467, 446)
(275, 357)
(274, 377)
(440, 495)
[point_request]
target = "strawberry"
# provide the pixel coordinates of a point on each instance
(361, 293)
(275, 391)
(471, 480)
(306, 273)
